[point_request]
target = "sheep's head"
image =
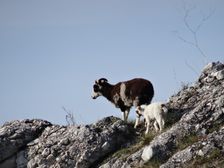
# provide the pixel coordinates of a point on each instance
(98, 86)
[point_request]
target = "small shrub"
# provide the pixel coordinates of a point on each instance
(69, 117)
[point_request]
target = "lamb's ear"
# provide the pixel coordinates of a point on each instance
(142, 107)
(138, 110)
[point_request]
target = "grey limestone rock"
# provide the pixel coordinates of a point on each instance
(61, 146)
(14, 136)
(199, 110)
(195, 113)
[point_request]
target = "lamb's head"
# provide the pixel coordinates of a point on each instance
(140, 109)
(98, 87)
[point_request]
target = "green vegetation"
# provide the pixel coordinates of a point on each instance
(213, 159)
(187, 141)
(171, 118)
(141, 141)
(153, 163)
(147, 138)
(215, 127)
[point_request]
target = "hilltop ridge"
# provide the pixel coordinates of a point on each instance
(193, 135)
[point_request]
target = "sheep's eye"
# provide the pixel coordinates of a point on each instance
(96, 88)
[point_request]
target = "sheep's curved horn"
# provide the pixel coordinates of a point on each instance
(102, 80)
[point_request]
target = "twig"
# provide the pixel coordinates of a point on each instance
(192, 68)
(69, 117)
(194, 32)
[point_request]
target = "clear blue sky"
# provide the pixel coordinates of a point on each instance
(51, 51)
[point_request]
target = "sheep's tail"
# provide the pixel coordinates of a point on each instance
(164, 108)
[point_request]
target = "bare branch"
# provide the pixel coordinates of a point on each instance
(175, 75)
(192, 68)
(183, 39)
(204, 19)
(186, 16)
(69, 117)
(187, 10)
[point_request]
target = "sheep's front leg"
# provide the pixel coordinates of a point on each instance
(125, 115)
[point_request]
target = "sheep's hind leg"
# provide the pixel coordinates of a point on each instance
(126, 115)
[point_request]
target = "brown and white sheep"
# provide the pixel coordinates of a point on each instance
(125, 94)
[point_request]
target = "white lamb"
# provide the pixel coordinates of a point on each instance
(153, 111)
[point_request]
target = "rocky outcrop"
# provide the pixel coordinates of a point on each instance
(27, 144)
(193, 137)
(208, 148)
(14, 136)
(197, 118)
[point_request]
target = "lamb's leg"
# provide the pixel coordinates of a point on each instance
(161, 124)
(147, 125)
(137, 120)
(147, 129)
(156, 126)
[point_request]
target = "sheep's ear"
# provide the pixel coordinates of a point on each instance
(96, 81)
